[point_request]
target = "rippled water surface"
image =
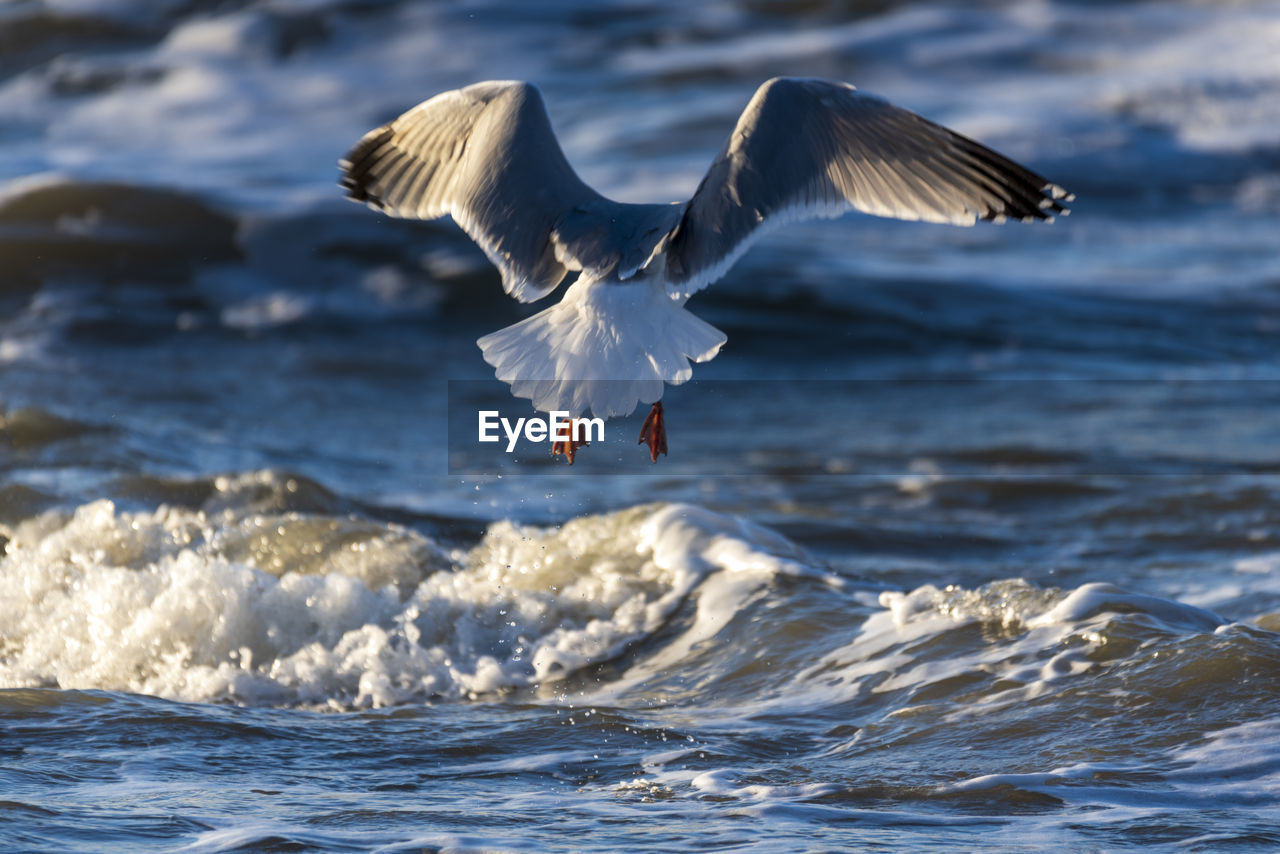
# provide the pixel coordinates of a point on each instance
(969, 539)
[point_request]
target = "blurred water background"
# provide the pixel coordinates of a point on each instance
(968, 539)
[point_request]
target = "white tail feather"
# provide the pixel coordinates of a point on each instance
(606, 347)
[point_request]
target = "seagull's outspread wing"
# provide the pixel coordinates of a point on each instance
(817, 148)
(487, 156)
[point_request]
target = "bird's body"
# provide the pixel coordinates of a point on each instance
(487, 155)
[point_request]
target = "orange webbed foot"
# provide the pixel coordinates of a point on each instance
(654, 432)
(569, 447)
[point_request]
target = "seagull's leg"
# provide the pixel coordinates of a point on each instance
(654, 432)
(569, 446)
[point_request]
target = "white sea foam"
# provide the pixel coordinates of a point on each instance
(288, 609)
(1093, 599)
(1035, 641)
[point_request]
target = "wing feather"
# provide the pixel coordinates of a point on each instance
(487, 156)
(816, 148)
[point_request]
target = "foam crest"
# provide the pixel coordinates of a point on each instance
(1015, 604)
(1002, 643)
(289, 608)
(1091, 600)
(1007, 603)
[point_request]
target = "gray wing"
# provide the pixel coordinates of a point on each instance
(486, 155)
(816, 148)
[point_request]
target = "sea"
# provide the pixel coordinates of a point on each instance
(969, 539)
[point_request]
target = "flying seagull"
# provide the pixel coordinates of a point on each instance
(487, 156)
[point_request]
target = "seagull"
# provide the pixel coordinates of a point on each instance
(803, 148)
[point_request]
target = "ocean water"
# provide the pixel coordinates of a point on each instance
(969, 539)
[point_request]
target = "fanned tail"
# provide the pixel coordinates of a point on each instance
(604, 348)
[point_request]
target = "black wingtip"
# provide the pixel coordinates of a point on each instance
(1024, 195)
(359, 162)
(1027, 197)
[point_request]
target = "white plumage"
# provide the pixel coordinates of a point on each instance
(487, 156)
